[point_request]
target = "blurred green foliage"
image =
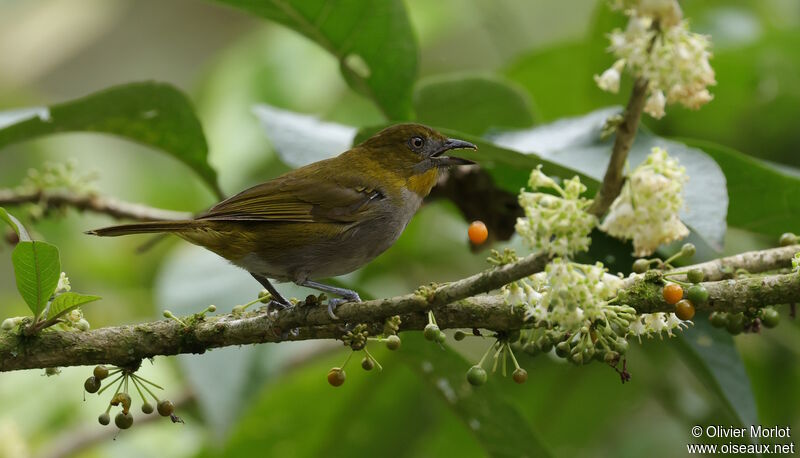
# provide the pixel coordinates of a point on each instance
(275, 401)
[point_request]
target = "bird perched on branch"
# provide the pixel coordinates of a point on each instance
(325, 219)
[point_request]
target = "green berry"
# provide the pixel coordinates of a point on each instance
(695, 276)
(264, 296)
(688, 249)
(476, 376)
(611, 357)
(147, 408)
(367, 364)
(393, 342)
(441, 337)
(641, 266)
(165, 408)
(718, 319)
(431, 332)
(735, 323)
(100, 372)
(520, 375)
(459, 336)
(787, 239)
(104, 418)
(91, 385)
(697, 294)
(123, 420)
(621, 345)
(770, 317)
(562, 349)
(82, 325)
(336, 376)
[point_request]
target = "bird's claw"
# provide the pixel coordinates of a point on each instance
(335, 302)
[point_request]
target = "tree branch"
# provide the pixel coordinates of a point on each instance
(90, 202)
(626, 134)
(453, 304)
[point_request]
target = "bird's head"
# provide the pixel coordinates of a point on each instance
(414, 148)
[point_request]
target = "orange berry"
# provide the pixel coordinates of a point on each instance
(477, 232)
(684, 309)
(336, 376)
(672, 293)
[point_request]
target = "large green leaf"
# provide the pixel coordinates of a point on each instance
(763, 199)
(16, 226)
(576, 143)
(472, 103)
(154, 114)
(65, 302)
(497, 424)
(715, 361)
(372, 39)
(37, 268)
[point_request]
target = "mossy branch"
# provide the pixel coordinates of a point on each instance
(458, 304)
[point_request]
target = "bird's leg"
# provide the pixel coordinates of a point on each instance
(348, 294)
(276, 296)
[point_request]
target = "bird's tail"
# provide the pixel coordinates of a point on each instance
(144, 228)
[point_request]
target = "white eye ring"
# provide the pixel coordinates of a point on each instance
(416, 142)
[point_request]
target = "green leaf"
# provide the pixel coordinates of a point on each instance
(575, 143)
(15, 225)
(716, 362)
(37, 268)
(372, 40)
(497, 424)
(153, 114)
(472, 103)
(762, 198)
(65, 302)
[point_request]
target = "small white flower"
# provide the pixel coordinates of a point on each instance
(638, 329)
(63, 283)
(609, 80)
(654, 106)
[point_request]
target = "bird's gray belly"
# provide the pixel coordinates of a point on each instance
(354, 247)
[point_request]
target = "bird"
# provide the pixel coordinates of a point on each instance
(322, 220)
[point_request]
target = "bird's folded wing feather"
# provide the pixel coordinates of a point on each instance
(298, 199)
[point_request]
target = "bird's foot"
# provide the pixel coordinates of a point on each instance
(335, 302)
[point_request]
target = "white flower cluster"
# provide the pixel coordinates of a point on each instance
(658, 46)
(650, 324)
(575, 298)
(647, 208)
(575, 295)
(556, 225)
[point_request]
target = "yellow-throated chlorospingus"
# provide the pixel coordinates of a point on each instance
(325, 219)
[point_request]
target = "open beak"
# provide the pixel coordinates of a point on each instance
(440, 160)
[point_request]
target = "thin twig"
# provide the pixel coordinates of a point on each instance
(90, 202)
(626, 134)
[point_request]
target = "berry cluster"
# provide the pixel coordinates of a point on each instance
(750, 320)
(357, 339)
(501, 352)
(121, 398)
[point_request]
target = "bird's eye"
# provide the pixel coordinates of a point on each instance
(416, 143)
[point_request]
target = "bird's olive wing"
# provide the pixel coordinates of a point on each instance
(297, 199)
